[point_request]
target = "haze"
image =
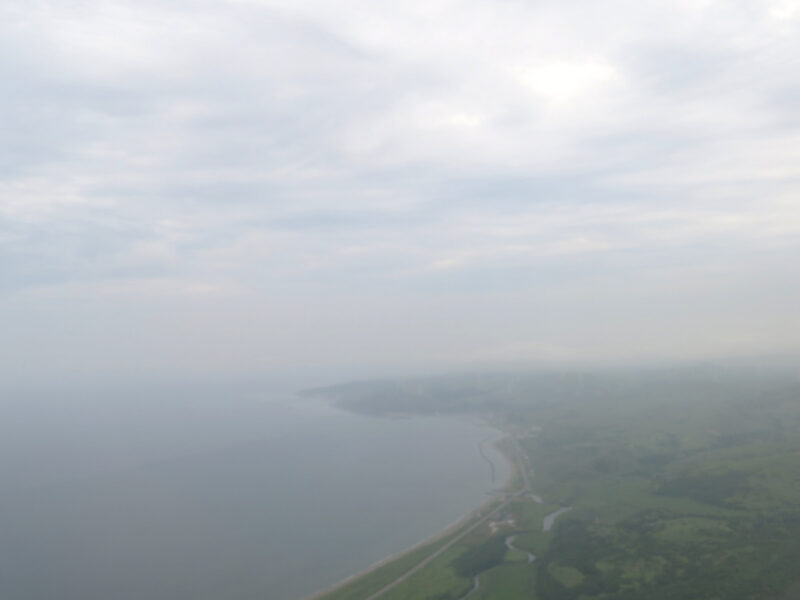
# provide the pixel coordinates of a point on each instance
(236, 187)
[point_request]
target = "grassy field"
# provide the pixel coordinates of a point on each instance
(364, 585)
(683, 484)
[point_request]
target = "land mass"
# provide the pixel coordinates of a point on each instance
(682, 483)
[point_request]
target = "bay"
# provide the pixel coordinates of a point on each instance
(228, 491)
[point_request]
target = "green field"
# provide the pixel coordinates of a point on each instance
(684, 484)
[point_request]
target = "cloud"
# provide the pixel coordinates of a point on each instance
(421, 151)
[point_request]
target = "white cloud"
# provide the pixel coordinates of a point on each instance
(418, 150)
(784, 9)
(561, 82)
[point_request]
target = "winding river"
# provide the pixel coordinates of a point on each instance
(510, 545)
(549, 520)
(547, 524)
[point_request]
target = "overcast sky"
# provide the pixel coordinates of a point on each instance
(227, 187)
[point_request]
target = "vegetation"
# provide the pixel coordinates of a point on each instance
(373, 580)
(481, 557)
(684, 484)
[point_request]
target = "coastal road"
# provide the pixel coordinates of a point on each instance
(426, 561)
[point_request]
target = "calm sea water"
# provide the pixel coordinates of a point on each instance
(224, 492)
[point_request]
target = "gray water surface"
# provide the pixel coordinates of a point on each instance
(219, 493)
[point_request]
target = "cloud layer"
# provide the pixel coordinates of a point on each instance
(231, 186)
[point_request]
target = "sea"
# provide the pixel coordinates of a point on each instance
(223, 491)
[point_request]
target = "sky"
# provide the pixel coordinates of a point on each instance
(233, 187)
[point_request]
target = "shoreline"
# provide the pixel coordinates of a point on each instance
(451, 529)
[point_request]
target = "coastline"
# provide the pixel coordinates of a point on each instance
(452, 529)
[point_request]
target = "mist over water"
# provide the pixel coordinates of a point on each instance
(218, 491)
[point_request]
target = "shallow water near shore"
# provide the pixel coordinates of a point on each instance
(220, 492)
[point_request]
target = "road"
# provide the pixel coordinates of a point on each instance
(426, 561)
